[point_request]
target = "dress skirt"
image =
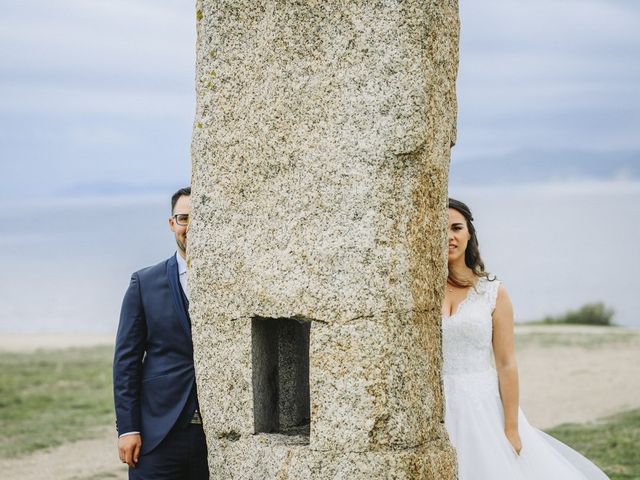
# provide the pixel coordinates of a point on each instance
(475, 420)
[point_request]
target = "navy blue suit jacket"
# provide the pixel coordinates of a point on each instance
(153, 375)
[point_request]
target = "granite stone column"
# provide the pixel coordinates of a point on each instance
(317, 248)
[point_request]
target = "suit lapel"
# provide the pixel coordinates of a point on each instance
(176, 292)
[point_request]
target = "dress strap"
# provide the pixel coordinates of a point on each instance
(492, 292)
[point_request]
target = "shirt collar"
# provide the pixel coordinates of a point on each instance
(182, 264)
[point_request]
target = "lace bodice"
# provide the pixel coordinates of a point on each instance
(467, 334)
(474, 413)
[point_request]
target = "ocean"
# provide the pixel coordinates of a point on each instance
(556, 247)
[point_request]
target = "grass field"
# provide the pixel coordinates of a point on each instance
(589, 337)
(612, 443)
(53, 397)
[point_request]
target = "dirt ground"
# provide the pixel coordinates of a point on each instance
(567, 374)
(95, 459)
(568, 377)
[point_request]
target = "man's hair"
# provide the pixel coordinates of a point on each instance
(185, 191)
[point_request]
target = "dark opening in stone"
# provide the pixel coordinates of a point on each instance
(280, 351)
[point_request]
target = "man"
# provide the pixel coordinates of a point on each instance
(158, 421)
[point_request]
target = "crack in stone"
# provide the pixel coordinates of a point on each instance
(403, 449)
(385, 312)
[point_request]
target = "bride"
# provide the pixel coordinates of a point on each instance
(491, 435)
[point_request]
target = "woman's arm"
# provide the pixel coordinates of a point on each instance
(505, 356)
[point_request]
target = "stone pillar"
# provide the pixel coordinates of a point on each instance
(317, 247)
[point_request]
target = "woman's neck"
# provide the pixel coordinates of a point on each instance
(461, 272)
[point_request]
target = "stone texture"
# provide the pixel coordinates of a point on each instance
(320, 162)
(269, 457)
(368, 378)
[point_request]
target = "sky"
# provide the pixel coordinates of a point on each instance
(98, 97)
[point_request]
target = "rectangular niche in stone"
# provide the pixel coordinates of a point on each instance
(280, 362)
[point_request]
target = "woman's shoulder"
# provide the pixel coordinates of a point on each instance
(497, 295)
(489, 282)
(491, 288)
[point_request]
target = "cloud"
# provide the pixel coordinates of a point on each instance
(70, 100)
(95, 91)
(98, 36)
(548, 73)
(100, 57)
(101, 90)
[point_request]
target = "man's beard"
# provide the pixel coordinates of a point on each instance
(182, 246)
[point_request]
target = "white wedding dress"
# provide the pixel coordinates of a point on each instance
(473, 413)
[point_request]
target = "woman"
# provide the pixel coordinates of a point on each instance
(491, 435)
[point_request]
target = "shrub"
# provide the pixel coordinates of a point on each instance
(589, 314)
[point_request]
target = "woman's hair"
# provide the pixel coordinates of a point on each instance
(472, 257)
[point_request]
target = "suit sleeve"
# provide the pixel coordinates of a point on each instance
(127, 362)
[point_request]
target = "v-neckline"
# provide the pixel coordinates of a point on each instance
(464, 300)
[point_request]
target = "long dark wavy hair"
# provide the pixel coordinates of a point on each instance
(472, 258)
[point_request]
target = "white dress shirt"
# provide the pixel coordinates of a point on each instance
(182, 271)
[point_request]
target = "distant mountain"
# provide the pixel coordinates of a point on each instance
(546, 166)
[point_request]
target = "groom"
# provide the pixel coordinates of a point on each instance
(160, 433)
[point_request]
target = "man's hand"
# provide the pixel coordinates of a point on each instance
(129, 449)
